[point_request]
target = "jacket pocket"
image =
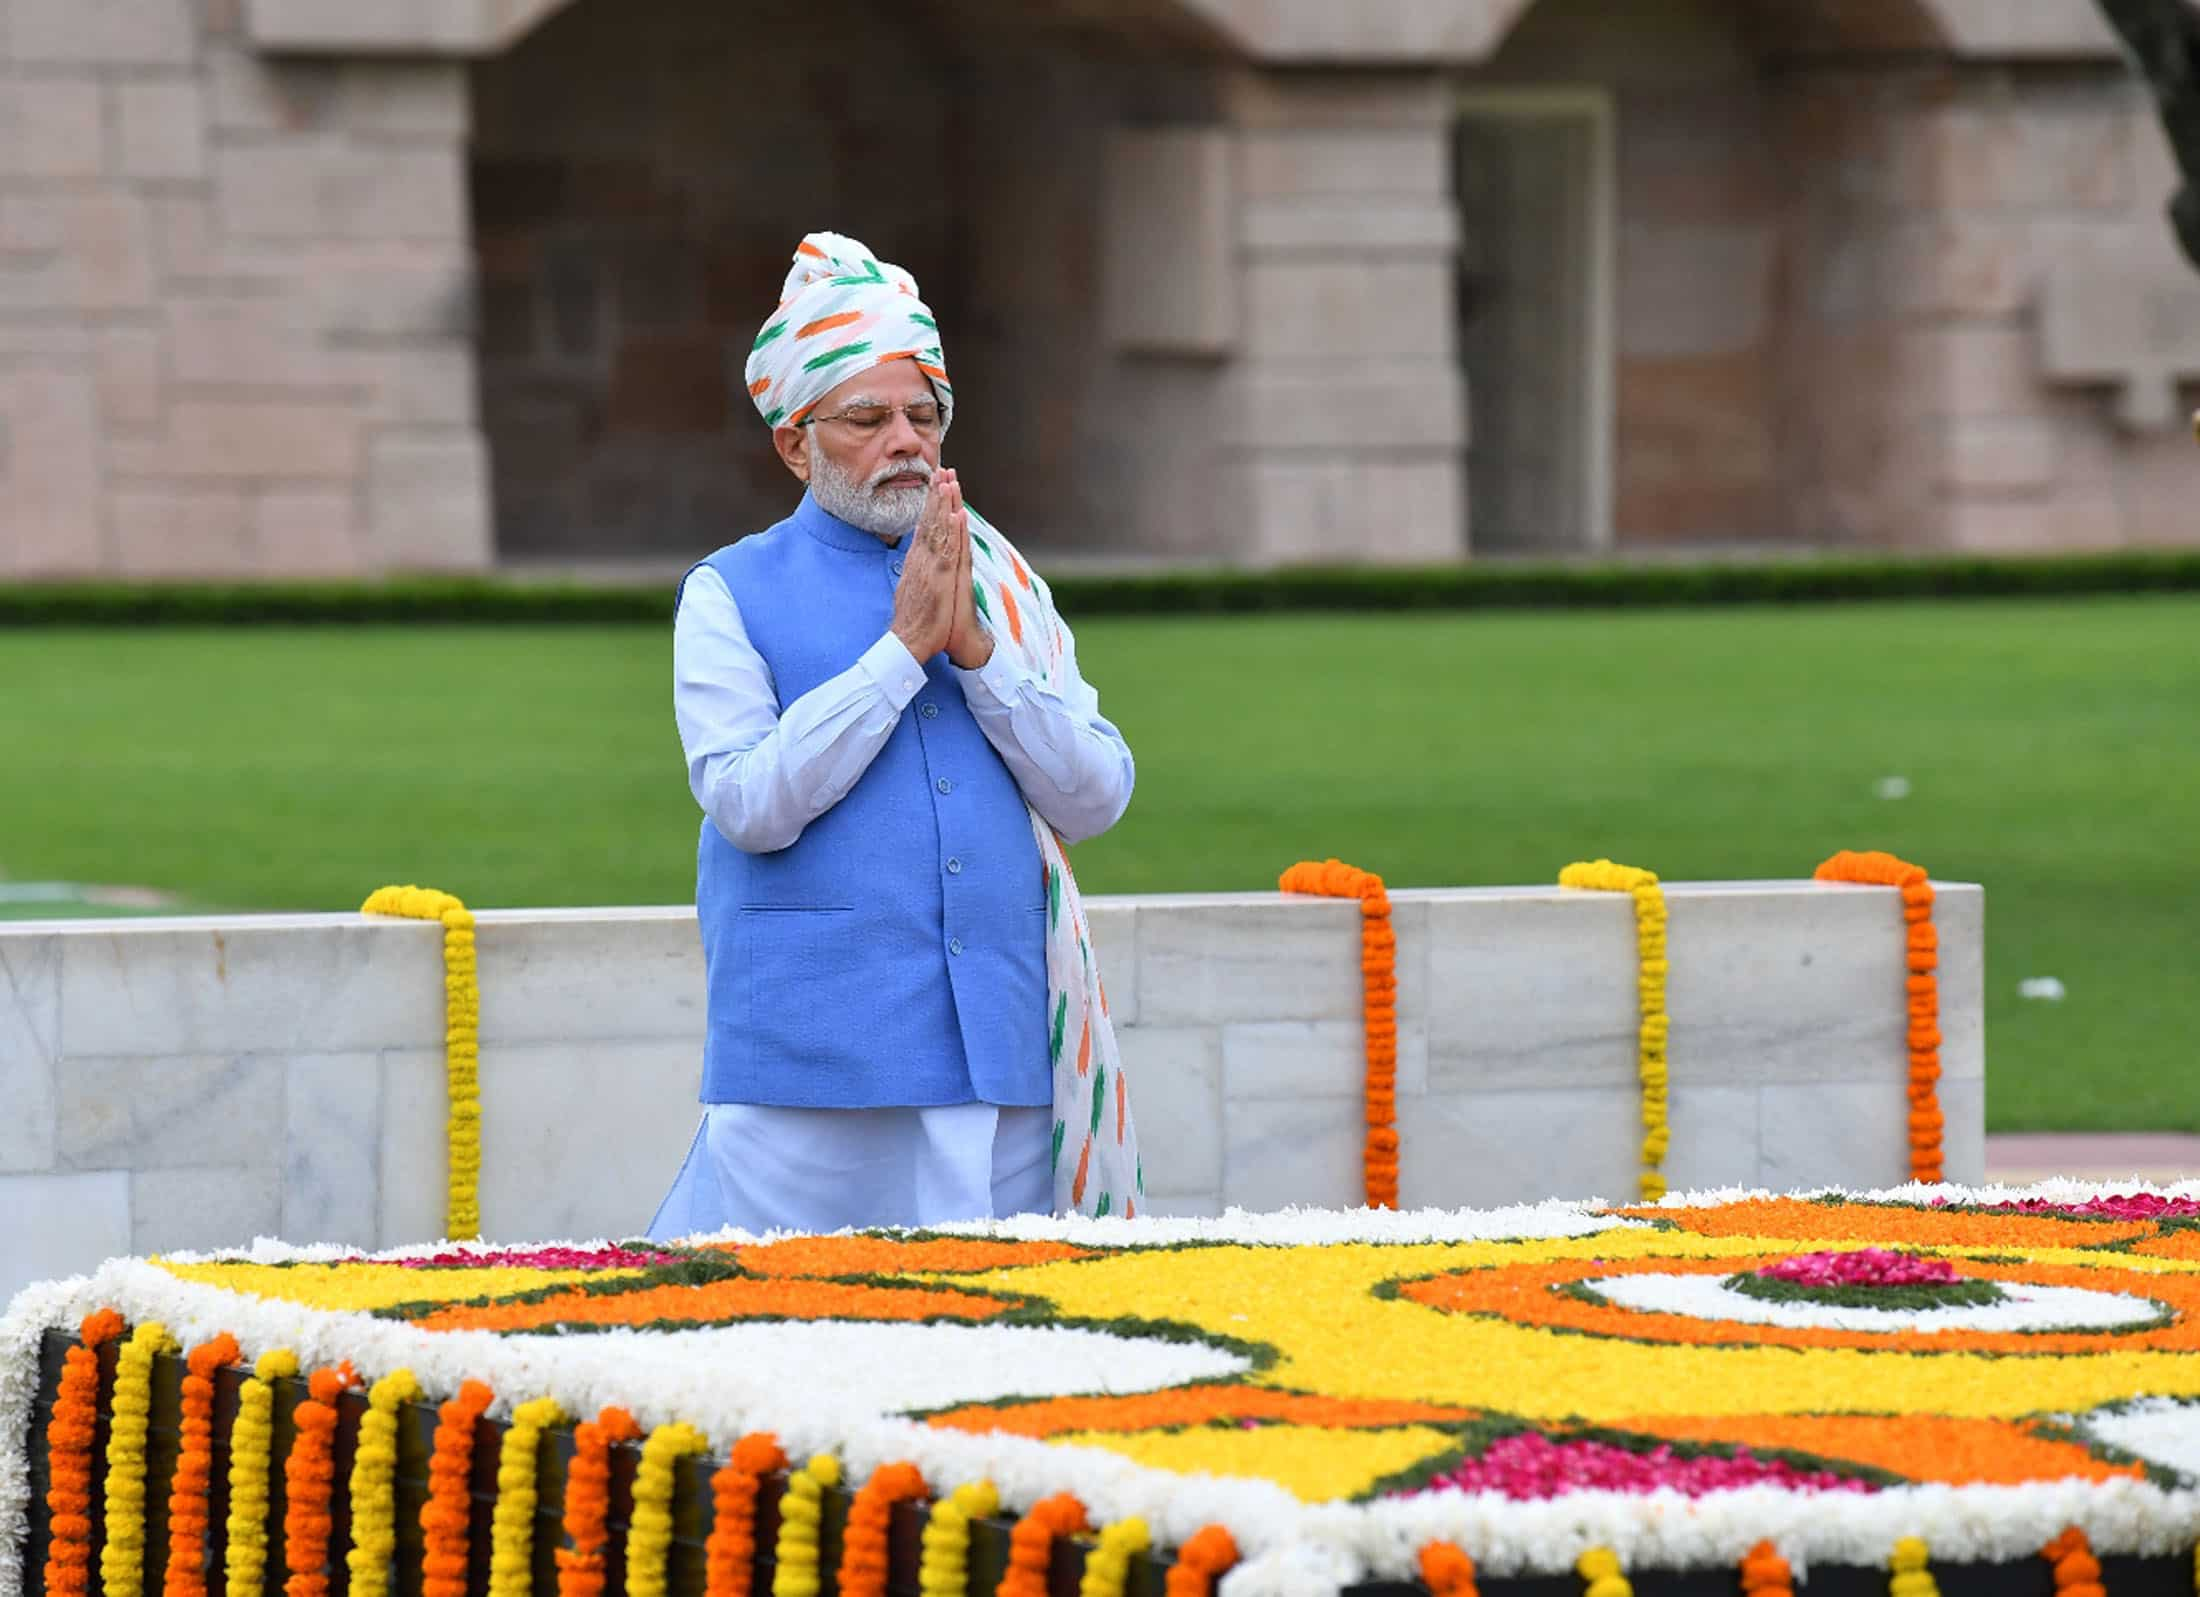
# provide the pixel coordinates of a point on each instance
(799, 970)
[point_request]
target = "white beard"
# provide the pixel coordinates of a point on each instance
(888, 513)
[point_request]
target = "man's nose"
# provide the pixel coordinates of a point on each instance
(902, 437)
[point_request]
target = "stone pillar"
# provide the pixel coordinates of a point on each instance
(1345, 424)
(235, 303)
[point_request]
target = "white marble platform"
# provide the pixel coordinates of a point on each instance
(197, 1082)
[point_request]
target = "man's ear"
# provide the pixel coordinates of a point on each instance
(793, 444)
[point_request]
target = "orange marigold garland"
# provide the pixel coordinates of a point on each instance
(187, 1492)
(1379, 1006)
(2077, 1571)
(1923, 951)
(863, 1551)
(730, 1554)
(588, 1501)
(1447, 1570)
(1765, 1573)
(309, 1480)
(1200, 1561)
(446, 1514)
(1031, 1544)
(69, 1436)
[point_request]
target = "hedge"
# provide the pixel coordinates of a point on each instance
(1484, 586)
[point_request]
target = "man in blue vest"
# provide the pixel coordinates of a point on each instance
(877, 778)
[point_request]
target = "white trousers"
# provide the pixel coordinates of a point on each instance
(763, 1168)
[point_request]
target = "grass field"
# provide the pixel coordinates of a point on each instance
(2050, 748)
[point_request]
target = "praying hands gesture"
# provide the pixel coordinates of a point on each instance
(933, 606)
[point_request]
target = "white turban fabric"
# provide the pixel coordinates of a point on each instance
(842, 313)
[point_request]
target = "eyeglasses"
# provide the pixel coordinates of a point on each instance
(924, 415)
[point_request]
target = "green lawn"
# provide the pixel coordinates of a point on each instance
(2051, 750)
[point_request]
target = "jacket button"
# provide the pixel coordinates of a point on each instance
(945, 786)
(954, 945)
(931, 712)
(954, 867)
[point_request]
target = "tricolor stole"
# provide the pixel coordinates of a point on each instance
(1096, 1165)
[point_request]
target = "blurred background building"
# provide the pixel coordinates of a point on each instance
(327, 287)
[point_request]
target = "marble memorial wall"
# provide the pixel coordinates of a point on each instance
(195, 1083)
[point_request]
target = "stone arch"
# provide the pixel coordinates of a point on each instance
(1795, 27)
(643, 169)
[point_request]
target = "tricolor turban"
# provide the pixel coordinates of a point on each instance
(843, 312)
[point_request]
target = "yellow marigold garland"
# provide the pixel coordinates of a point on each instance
(512, 1522)
(801, 1512)
(944, 1569)
(1650, 968)
(1599, 1566)
(1912, 1575)
(1108, 1566)
(122, 1559)
(251, 1463)
(649, 1538)
(461, 1043)
(373, 1490)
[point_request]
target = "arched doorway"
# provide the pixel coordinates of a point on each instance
(643, 169)
(1681, 219)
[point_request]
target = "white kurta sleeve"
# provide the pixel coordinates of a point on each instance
(761, 772)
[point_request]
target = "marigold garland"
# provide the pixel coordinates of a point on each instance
(1031, 1544)
(588, 1501)
(373, 1489)
(649, 1538)
(943, 1569)
(1379, 1009)
(1765, 1573)
(1913, 1575)
(188, 1488)
(729, 1556)
(122, 1558)
(461, 1043)
(1650, 969)
(251, 1461)
(801, 1512)
(1922, 953)
(2077, 1571)
(448, 1510)
(512, 1521)
(1200, 1561)
(863, 1549)
(1599, 1566)
(1108, 1566)
(309, 1481)
(69, 1438)
(1447, 1571)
